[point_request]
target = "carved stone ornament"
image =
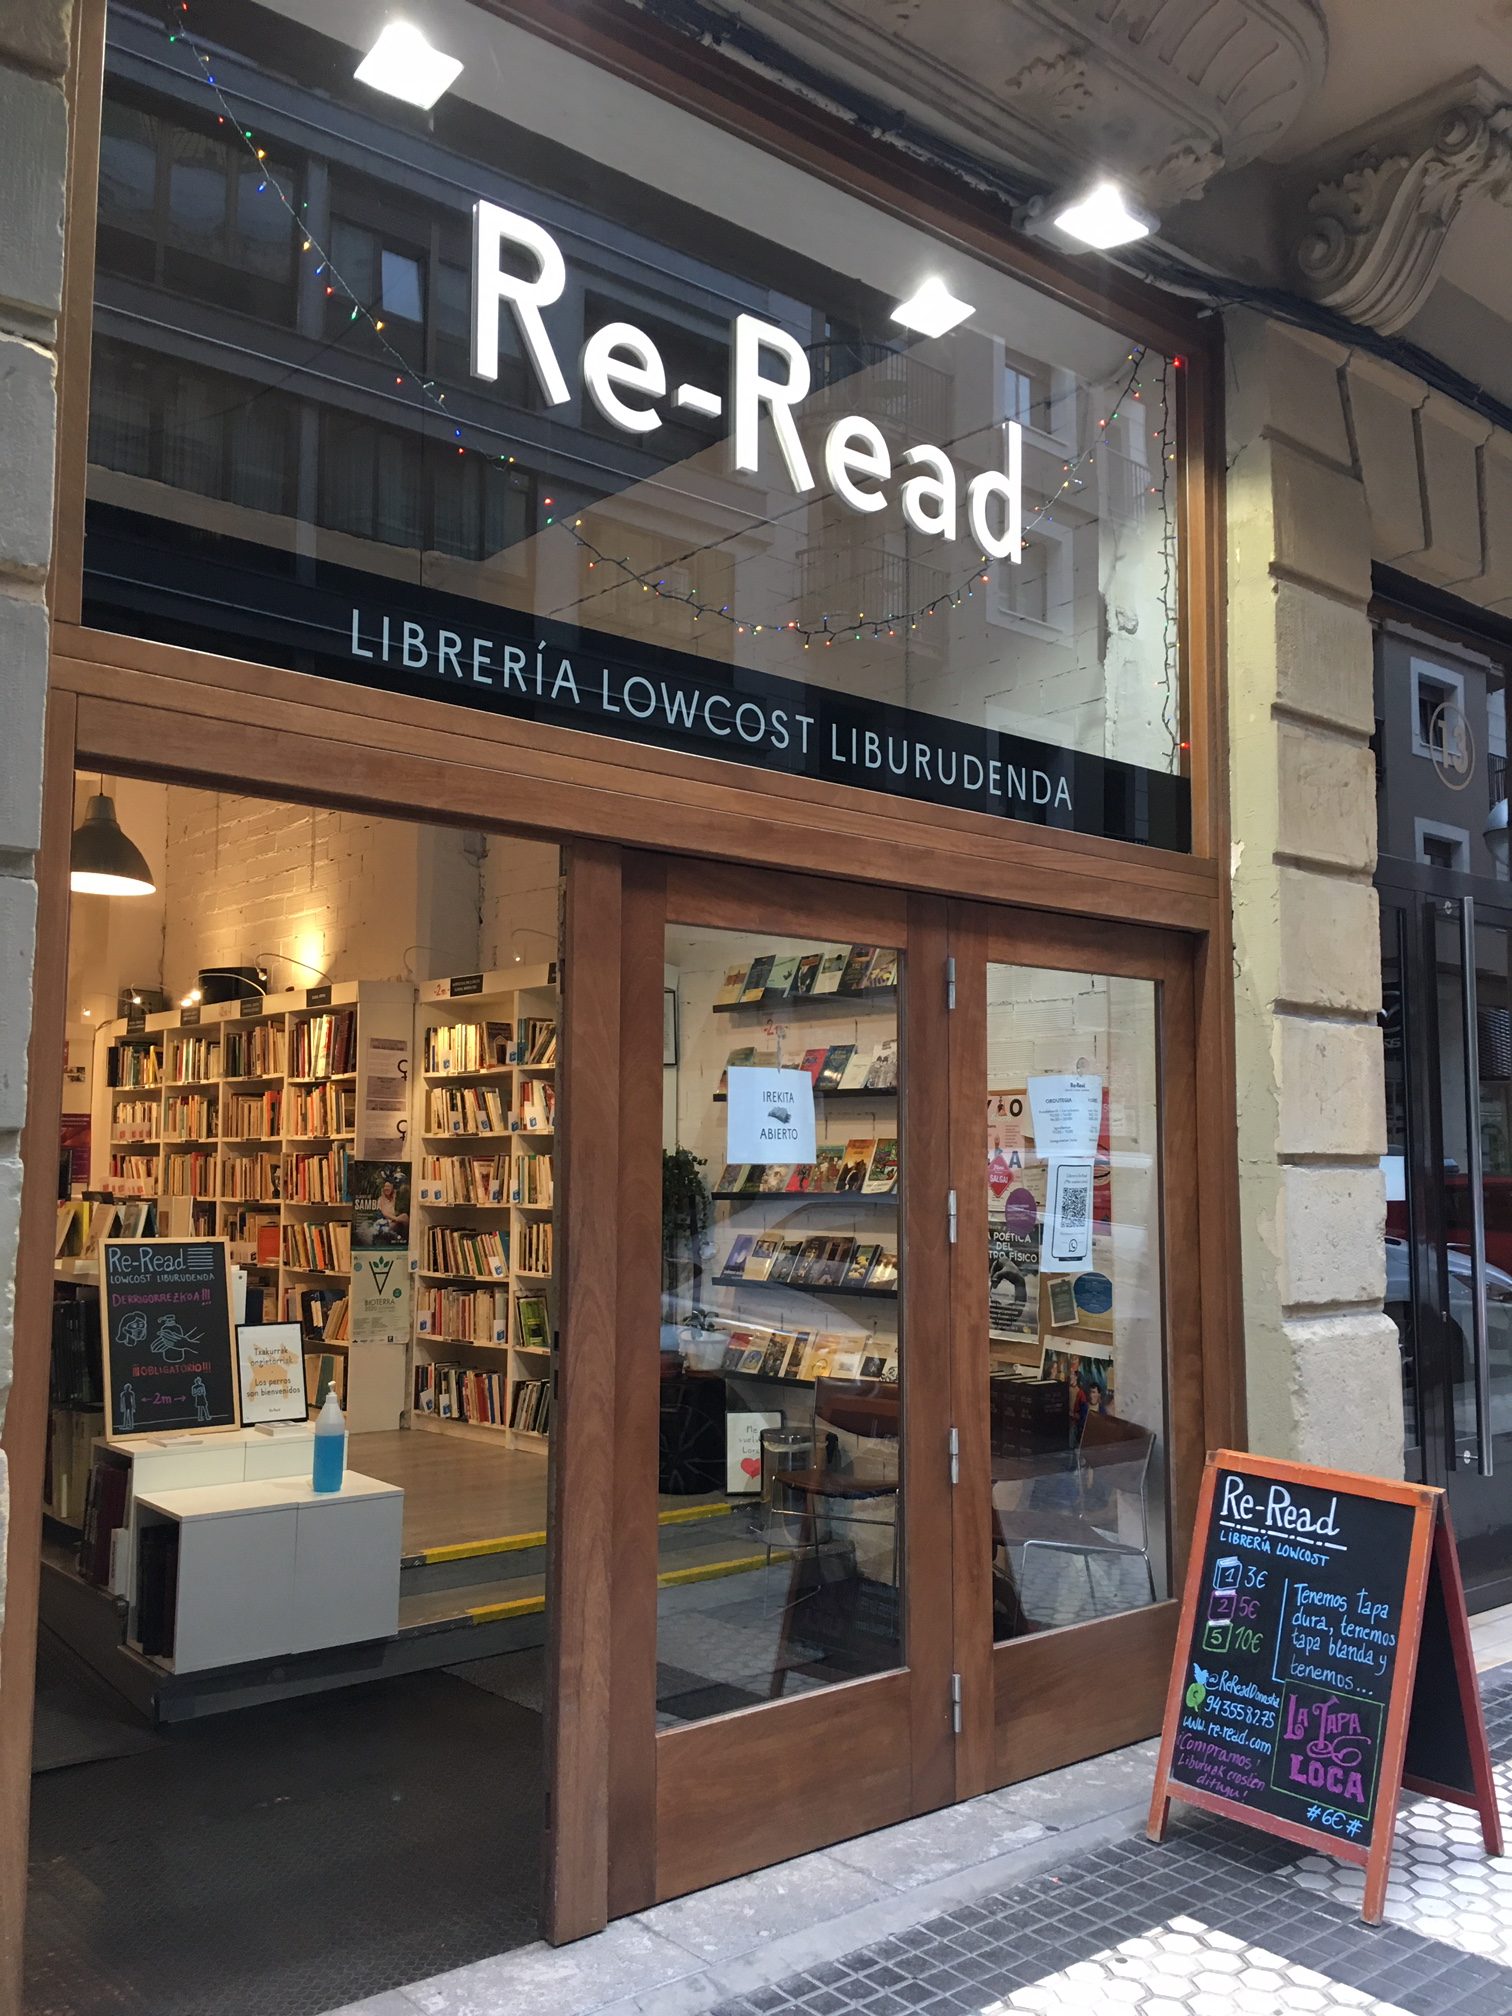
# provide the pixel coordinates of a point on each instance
(1165, 93)
(1378, 232)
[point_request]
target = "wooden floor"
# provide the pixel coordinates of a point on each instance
(455, 1490)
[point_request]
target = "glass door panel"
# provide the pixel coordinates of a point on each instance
(780, 1420)
(1076, 1387)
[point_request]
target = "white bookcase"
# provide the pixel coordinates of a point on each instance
(482, 1197)
(260, 1105)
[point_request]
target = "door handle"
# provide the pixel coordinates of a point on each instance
(1477, 1192)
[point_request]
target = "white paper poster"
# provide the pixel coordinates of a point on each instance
(270, 1360)
(1066, 1245)
(380, 1310)
(743, 1450)
(1067, 1111)
(770, 1115)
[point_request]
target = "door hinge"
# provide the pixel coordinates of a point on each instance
(950, 982)
(950, 1214)
(955, 1704)
(955, 1455)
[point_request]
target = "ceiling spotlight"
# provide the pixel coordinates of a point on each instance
(402, 63)
(932, 310)
(102, 861)
(1101, 217)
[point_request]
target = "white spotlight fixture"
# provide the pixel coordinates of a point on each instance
(932, 310)
(402, 63)
(1101, 217)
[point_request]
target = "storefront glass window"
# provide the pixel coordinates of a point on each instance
(780, 479)
(1076, 1379)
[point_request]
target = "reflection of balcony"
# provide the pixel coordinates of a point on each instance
(899, 390)
(1124, 490)
(841, 582)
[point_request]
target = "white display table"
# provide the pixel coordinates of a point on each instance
(269, 1567)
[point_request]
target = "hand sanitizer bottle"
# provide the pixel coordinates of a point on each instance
(330, 1444)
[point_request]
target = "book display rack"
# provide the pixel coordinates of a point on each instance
(242, 1118)
(483, 1204)
(803, 1280)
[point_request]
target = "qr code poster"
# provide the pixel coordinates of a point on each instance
(1066, 1241)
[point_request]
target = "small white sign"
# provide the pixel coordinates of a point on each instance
(743, 1451)
(270, 1359)
(1066, 1245)
(770, 1115)
(1067, 1112)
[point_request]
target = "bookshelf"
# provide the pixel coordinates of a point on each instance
(241, 1119)
(802, 1280)
(482, 1218)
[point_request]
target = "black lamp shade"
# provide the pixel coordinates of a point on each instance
(102, 861)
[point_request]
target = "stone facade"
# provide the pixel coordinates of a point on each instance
(1337, 461)
(33, 172)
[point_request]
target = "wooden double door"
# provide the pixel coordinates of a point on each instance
(877, 1449)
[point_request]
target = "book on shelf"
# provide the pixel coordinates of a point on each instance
(882, 1072)
(532, 1325)
(830, 1271)
(480, 1255)
(535, 1242)
(831, 967)
(193, 1060)
(828, 1161)
(807, 973)
(853, 1077)
(325, 1371)
(758, 1265)
(883, 971)
(461, 1179)
(537, 1111)
(732, 986)
(885, 1273)
(133, 1067)
(138, 1219)
(534, 1183)
(833, 1068)
(882, 1173)
(779, 1344)
(750, 1183)
(191, 1175)
(318, 1249)
(468, 1046)
(776, 1177)
(530, 1406)
(267, 1245)
(253, 1179)
(862, 1261)
(191, 1116)
(780, 979)
(739, 1253)
(247, 1116)
(857, 966)
(466, 1109)
(813, 1061)
(460, 1393)
(135, 1120)
(469, 1315)
(258, 1051)
(757, 977)
(753, 1358)
(103, 1221)
(324, 1046)
(732, 1177)
(537, 1048)
(845, 1363)
(735, 1350)
(786, 1261)
(316, 1112)
(744, 1054)
(854, 1163)
(318, 1179)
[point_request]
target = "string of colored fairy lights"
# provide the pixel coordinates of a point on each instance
(830, 626)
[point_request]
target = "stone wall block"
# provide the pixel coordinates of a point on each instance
(1325, 797)
(18, 937)
(1495, 585)
(1328, 942)
(1331, 1225)
(33, 163)
(1325, 658)
(28, 411)
(1284, 383)
(1382, 402)
(1332, 1088)
(35, 32)
(23, 689)
(1328, 1389)
(1321, 529)
(1449, 438)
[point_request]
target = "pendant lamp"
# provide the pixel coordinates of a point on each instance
(102, 861)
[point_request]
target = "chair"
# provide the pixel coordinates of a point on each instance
(841, 1618)
(1110, 1467)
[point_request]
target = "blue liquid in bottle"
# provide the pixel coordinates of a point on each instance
(330, 1445)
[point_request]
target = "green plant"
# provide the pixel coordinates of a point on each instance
(687, 1210)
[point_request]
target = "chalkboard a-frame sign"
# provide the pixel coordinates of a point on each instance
(1322, 1663)
(168, 1336)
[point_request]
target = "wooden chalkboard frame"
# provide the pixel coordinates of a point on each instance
(1431, 1560)
(232, 1369)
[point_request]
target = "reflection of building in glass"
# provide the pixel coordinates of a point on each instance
(235, 397)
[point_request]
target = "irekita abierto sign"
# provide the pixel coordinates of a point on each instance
(626, 378)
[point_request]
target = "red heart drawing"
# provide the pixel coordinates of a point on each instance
(751, 1465)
